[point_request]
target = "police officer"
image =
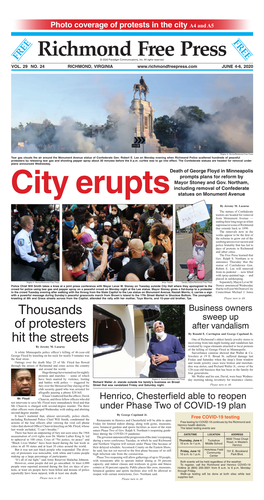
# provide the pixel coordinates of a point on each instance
(25, 251)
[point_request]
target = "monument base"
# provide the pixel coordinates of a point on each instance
(144, 111)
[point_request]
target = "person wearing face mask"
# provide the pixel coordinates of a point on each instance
(68, 234)
(196, 264)
(86, 241)
(47, 235)
(97, 227)
(164, 351)
(146, 221)
(114, 218)
(88, 227)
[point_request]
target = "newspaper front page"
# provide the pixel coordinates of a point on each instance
(133, 342)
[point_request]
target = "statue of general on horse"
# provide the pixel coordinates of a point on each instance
(141, 87)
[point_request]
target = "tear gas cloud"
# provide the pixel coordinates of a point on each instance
(229, 130)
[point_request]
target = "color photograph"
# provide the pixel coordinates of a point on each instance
(152, 113)
(145, 341)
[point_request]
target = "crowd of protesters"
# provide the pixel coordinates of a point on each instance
(117, 242)
(35, 237)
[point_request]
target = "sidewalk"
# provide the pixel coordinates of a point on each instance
(184, 252)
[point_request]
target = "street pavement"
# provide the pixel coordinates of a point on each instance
(24, 273)
(184, 252)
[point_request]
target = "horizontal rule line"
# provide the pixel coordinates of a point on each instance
(128, 62)
(145, 69)
(146, 33)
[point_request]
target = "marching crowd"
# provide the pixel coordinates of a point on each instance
(117, 242)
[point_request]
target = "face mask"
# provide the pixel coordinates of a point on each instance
(151, 212)
(161, 335)
(92, 225)
(70, 223)
(114, 213)
(89, 249)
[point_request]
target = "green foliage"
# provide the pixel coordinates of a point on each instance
(111, 126)
(208, 225)
(165, 129)
(173, 130)
(173, 317)
(84, 128)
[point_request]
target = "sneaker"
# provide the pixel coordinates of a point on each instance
(190, 276)
(200, 267)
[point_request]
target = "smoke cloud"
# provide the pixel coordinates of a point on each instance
(72, 140)
(230, 130)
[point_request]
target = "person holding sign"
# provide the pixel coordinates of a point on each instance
(196, 264)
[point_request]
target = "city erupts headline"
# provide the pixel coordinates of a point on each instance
(23, 181)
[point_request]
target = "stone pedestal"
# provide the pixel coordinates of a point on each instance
(145, 113)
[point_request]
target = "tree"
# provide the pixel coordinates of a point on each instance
(165, 130)
(111, 126)
(84, 128)
(47, 132)
(208, 225)
(174, 130)
(173, 317)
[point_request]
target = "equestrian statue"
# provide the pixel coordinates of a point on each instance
(141, 87)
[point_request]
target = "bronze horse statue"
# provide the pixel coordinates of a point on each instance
(140, 89)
